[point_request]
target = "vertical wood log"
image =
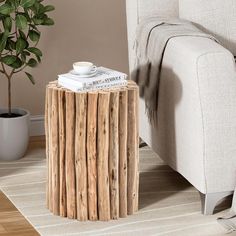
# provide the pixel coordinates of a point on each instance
(62, 148)
(80, 156)
(92, 154)
(132, 146)
(50, 204)
(70, 155)
(123, 109)
(137, 162)
(47, 145)
(103, 146)
(55, 152)
(114, 154)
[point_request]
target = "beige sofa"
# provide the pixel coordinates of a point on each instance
(196, 132)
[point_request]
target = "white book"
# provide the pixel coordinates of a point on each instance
(103, 76)
(112, 84)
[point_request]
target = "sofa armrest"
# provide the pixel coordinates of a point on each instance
(197, 113)
(216, 78)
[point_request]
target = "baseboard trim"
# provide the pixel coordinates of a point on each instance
(37, 125)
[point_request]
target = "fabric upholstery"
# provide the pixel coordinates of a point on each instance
(137, 10)
(214, 16)
(150, 49)
(167, 8)
(196, 128)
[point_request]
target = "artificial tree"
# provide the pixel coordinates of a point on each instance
(19, 36)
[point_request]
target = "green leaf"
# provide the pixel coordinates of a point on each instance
(12, 44)
(40, 8)
(37, 21)
(27, 3)
(49, 8)
(42, 16)
(38, 58)
(26, 15)
(21, 22)
(21, 44)
(48, 21)
(17, 64)
(23, 57)
(13, 3)
(8, 60)
(3, 40)
(16, 3)
(32, 62)
(6, 9)
(22, 34)
(34, 35)
(33, 26)
(35, 51)
(8, 46)
(26, 53)
(30, 77)
(35, 7)
(7, 23)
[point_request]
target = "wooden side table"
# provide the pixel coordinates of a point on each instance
(92, 152)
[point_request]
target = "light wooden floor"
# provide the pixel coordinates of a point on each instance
(12, 222)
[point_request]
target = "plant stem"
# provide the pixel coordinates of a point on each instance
(9, 96)
(9, 76)
(9, 92)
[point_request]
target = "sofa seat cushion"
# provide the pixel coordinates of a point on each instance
(217, 17)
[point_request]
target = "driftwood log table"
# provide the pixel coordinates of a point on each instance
(92, 152)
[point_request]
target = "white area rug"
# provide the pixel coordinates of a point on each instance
(169, 205)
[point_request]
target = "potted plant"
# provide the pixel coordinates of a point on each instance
(19, 36)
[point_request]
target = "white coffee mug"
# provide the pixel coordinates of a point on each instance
(84, 68)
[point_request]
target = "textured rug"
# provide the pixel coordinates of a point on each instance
(169, 205)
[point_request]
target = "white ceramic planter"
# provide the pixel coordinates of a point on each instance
(14, 135)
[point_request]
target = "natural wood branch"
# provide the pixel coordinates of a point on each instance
(70, 155)
(62, 151)
(114, 154)
(103, 146)
(123, 109)
(92, 154)
(55, 152)
(132, 149)
(80, 156)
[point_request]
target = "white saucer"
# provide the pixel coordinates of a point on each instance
(73, 72)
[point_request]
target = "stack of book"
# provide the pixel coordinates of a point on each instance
(103, 79)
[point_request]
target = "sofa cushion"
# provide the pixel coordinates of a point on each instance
(217, 17)
(161, 8)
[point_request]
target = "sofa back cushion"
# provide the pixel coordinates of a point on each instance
(137, 10)
(165, 8)
(217, 17)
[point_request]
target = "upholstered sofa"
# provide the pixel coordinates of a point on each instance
(196, 131)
